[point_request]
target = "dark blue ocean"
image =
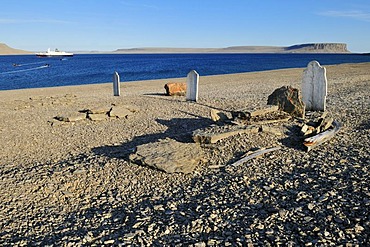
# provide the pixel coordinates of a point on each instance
(29, 71)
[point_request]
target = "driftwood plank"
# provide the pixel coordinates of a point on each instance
(254, 155)
(264, 111)
(201, 136)
(319, 139)
(273, 121)
(247, 114)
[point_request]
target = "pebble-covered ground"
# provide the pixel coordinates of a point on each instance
(72, 184)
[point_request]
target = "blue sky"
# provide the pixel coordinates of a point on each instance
(107, 25)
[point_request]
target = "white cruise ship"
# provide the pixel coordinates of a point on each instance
(55, 53)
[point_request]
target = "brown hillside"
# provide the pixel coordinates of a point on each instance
(6, 50)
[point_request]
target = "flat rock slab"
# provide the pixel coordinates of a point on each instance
(72, 117)
(97, 117)
(168, 155)
(120, 112)
(97, 110)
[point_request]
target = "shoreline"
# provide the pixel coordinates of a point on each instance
(186, 52)
(74, 183)
(165, 80)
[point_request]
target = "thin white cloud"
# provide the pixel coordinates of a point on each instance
(136, 5)
(21, 21)
(355, 14)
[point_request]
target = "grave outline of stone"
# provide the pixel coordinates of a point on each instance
(116, 84)
(314, 87)
(192, 83)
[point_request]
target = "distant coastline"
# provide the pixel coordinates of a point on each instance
(300, 48)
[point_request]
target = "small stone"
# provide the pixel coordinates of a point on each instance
(359, 229)
(201, 244)
(311, 206)
(111, 241)
(129, 236)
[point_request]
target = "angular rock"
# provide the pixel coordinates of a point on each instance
(168, 155)
(175, 88)
(288, 99)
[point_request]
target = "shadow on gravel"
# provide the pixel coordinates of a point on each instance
(155, 94)
(365, 125)
(163, 96)
(320, 201)
(179, 129)
(294, 140)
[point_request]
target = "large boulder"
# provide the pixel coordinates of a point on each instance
(289, 100)
(168, 155)
(175, 88)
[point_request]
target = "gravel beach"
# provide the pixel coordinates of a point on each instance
(72, 183)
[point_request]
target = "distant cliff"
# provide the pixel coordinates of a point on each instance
(301, 48)
(319, 48)
(6, 50)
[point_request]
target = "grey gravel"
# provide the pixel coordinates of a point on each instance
(73, 184)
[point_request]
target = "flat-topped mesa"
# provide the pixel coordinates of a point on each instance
(319, 48)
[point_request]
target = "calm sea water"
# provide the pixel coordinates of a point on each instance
(33, 72)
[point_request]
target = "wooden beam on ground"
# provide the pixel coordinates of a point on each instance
(202, 136)
(264, 111)
(254, 155)
(273, 121)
